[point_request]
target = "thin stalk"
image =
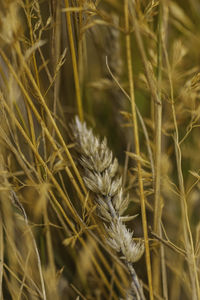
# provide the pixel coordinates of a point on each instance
(188, 240)
(21, 282)
(30, 117)
(30, 120)
(35, 248)
(24, 277)
(59, 154)
(157, 157)
(41, 161)
(135, 281)
(163, 269)
(84, 244)
(81, 40)
(50, 253)
(137, 150)
(9, 229)
(56, 50)
(158, 132)
(142, 123)
(28, 16)
(48, 172)
(150, 80)
(74, 62)
(40, 120)
(62, 194)
(1, 256)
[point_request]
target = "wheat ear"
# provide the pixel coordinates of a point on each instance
(100, 176)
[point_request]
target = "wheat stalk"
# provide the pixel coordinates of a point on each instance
(100, 176)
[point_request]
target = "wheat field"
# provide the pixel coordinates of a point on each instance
(99, 149)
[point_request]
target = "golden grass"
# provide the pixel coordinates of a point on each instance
(130, 69)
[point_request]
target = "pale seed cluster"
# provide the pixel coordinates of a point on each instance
(102, 179)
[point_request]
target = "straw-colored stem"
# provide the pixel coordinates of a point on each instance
(56, 150)
(157, 157)
(158, 131)
(41, 161)
(74, 63)
(62, 194)
(137, 150)
(27, 97)
(28, 15)
(188, 239)
(36, 251)
(30, 119)
(64, 197)
(1, 256)
(56, 52)
(84, 244)
(50, 252)
(142, 123)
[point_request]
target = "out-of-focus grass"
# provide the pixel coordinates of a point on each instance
(97, 59)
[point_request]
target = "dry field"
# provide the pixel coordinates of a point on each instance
(99, 149)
